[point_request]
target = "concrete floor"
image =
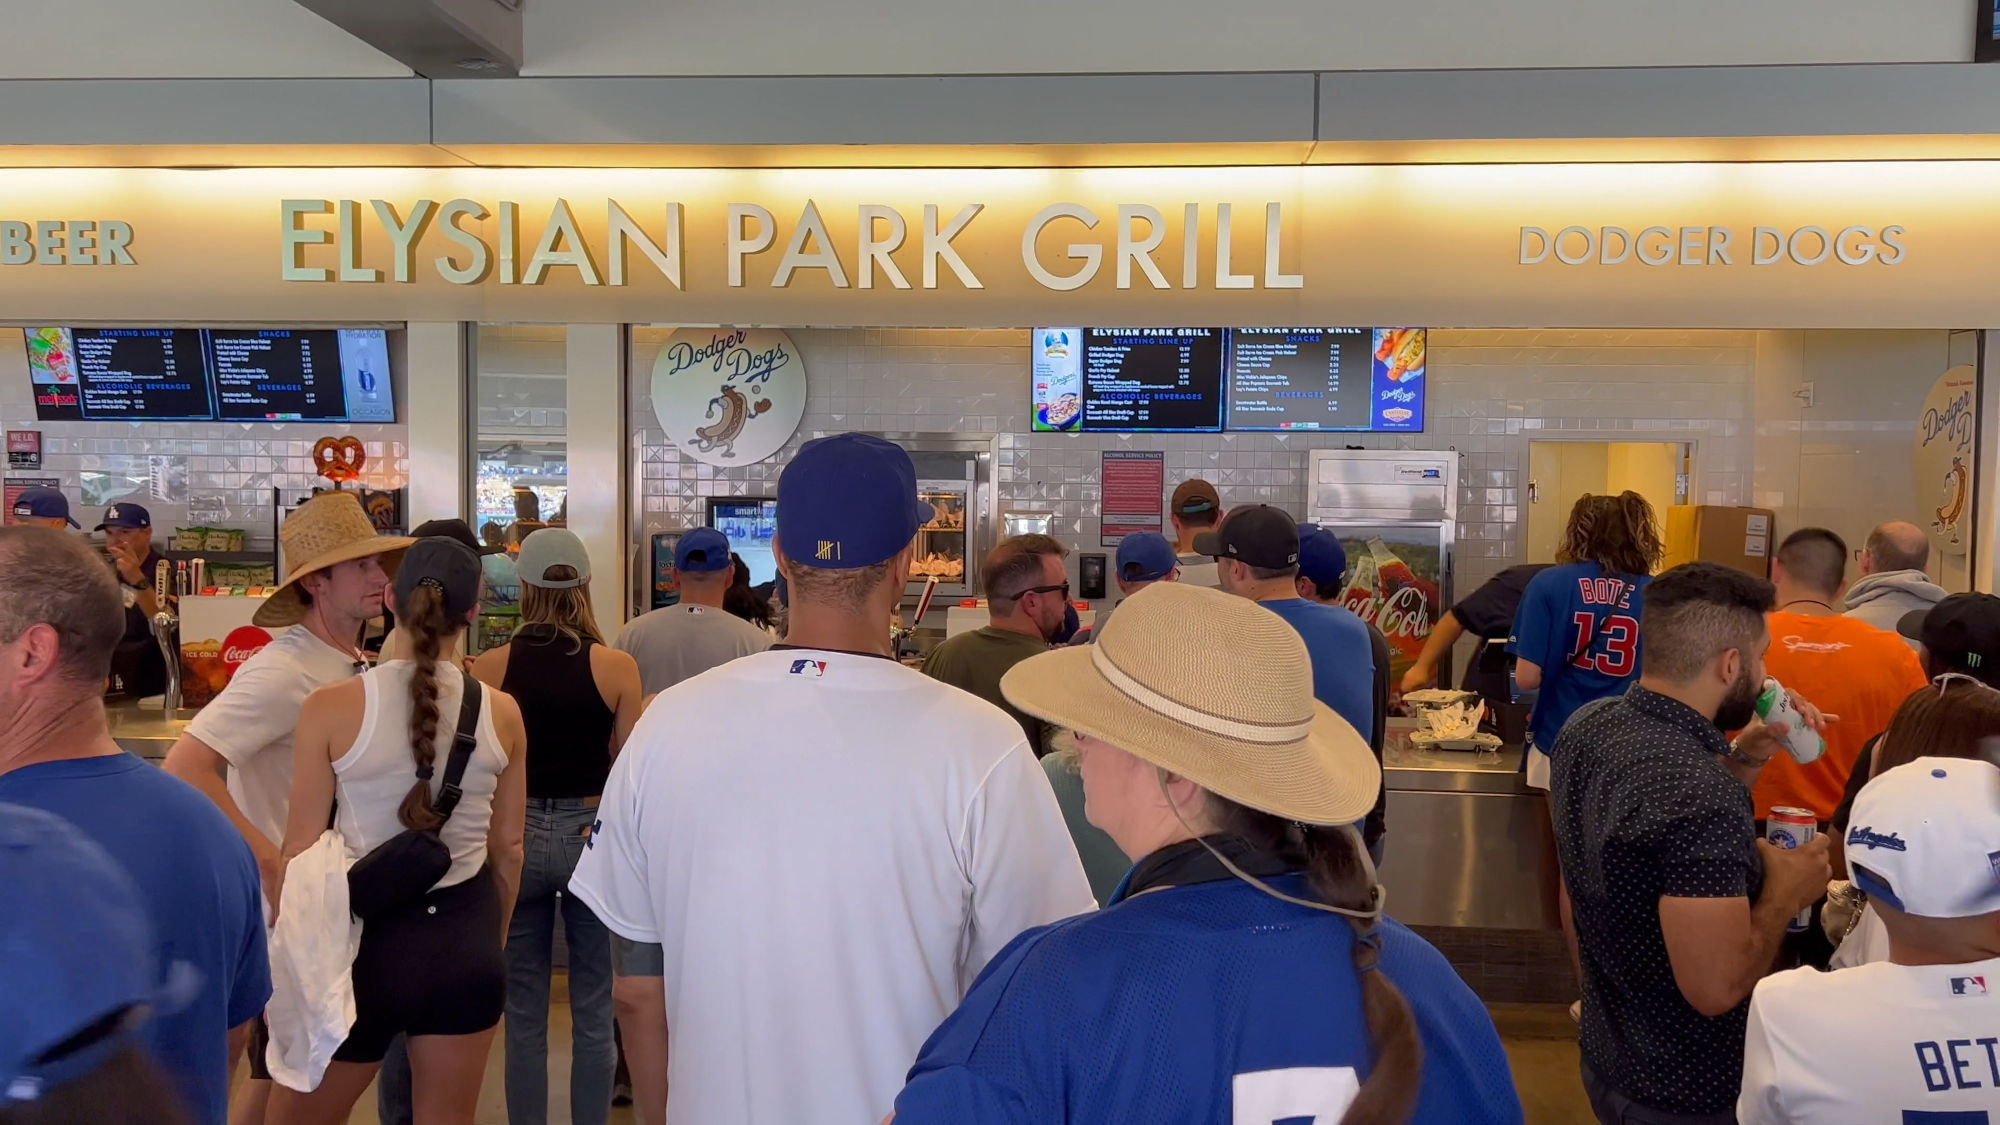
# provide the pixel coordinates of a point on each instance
(1540, 1042)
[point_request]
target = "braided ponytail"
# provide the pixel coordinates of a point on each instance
(422, 615)
(1389, 1096)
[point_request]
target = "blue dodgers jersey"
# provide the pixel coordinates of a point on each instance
(200, 886)
(1210, 1002)
(1582, 628)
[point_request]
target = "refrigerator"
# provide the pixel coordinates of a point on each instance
(1396, 513)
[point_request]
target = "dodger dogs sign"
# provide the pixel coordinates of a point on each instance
(729, 396)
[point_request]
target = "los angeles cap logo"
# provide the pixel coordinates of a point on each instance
(1866, 837)
(812, 668)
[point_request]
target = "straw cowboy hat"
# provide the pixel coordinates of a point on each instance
(326, 530)
(1215, 688)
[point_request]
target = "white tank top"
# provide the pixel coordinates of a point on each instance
(374, 775)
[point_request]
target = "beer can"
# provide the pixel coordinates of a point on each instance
(1793, 828)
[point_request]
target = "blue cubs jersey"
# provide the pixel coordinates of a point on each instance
(1581, 626)
(1208, 1002)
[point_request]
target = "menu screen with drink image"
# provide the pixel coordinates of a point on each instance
(1357, 379)
(1057, 368)
(119, 374)
(1152, 379)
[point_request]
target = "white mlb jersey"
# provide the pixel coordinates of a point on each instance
(828, 848)
(1887, 1043)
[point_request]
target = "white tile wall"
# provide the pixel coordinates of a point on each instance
(232, 466)
(1490, 393)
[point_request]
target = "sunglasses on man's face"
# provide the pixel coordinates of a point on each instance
(1063, 587)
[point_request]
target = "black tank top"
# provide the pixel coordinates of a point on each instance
(568, 725)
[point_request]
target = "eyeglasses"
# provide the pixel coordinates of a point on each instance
(1063, 587)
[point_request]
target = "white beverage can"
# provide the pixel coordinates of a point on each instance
(1801, 741)
(1793, 828)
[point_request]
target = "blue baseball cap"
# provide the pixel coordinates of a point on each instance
(702, 550)
(43, 504)
(848, 501)
(1145, 556)
(1322, 560)
(125, 515)
(76, 951)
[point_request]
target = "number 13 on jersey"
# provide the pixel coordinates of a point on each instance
(1616, 643)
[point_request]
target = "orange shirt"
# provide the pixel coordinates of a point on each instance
(1845, 667)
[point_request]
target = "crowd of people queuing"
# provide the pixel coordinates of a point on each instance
(1119, 874)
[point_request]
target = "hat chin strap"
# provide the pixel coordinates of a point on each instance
(1377, 893)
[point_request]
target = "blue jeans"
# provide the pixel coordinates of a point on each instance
(555, 838)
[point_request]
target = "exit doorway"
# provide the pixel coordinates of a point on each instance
(1561, 471)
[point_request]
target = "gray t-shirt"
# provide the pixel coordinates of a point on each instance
(678, 642)
(1199, 570)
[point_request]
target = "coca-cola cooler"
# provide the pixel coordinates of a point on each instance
(1396, 512)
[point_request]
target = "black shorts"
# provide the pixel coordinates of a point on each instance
(436, 967)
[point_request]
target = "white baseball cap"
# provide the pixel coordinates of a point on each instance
(1925, 838)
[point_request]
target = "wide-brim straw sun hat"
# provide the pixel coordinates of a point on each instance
(1215, 688)
(325, 531)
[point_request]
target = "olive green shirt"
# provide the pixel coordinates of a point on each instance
(975, 662)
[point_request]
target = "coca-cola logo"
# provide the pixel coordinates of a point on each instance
(1405, 613)
(243, 643)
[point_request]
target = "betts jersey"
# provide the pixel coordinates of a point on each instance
(1911, 1044)
(1210, 1002)
(1581, 627)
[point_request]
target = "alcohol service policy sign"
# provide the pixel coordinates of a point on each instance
(729, 396)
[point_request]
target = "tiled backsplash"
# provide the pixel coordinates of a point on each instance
(1490, 392)
(214, 473)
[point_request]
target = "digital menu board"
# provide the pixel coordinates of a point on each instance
(1152, 379)
(119, 374)
(1355, 379)
(204, 374)
(277, 375)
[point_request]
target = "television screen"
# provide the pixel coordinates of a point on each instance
(204, 374)
(1352, 379)
(750, 523)
(119, 374)
(301, 375)
(1152, 379)
(1058, 377)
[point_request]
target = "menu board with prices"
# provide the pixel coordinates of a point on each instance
(1299, 378)
(120, 375)
(277, 375)
(1326, 379)
(1152, 379)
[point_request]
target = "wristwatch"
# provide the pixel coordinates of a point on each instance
(1736, 755)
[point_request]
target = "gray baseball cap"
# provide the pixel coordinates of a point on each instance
(551, 547)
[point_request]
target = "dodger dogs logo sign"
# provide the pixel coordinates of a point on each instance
(1942, 459)
(729, 396)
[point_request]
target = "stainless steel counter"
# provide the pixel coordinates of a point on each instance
(144, 731)
(1468, 843)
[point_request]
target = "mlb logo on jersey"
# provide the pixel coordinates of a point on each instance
(813, 668)
(1968, 986)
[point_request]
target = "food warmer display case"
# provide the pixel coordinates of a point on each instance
(955, 477)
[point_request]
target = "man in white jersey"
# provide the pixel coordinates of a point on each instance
(680, 641)
(1913, 1040)
(339, 570)
(806, 855)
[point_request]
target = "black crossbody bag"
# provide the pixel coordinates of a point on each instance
(403, 868)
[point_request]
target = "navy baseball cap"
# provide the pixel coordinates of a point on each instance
(1145, 556)
(848, 501)
(76, 955)
(702, 550)
(125, 515)
(1322, 559)
(43, 504)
